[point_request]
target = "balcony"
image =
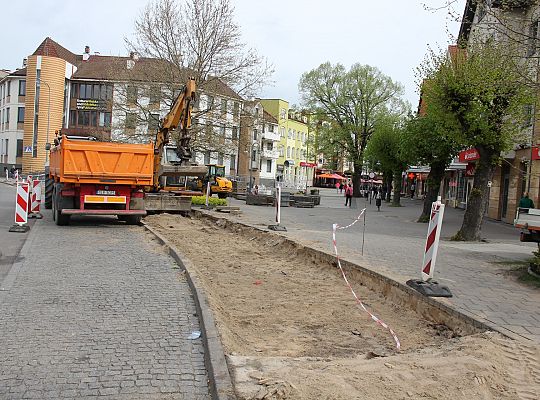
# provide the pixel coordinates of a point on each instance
(273, 136)
(272, 154)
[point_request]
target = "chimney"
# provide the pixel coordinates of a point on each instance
(134, 55)
(86, 54)
(24, 62)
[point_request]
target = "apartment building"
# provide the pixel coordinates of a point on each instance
(515, 24)
(292, 169)
(119, 99)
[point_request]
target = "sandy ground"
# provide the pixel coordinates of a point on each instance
(291, 328)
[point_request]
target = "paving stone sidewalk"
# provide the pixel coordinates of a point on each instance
(97, 311)
(477, 273)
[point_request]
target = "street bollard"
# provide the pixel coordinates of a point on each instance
(278, 226)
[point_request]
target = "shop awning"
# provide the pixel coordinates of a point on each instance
(331, 176)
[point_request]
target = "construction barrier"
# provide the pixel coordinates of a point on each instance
(35, 204)
(21, 208)
(335, 228)
(432, 240)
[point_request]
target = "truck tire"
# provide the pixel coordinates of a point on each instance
(132, 219)
(59, 203)
(49, 187)
(222, 195)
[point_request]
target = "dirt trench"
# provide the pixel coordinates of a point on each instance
(292, 330)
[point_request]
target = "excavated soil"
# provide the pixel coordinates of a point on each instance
(292, 330)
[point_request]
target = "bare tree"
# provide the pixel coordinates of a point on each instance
(201, 36)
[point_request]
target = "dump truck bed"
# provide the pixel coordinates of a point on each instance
(92, 162)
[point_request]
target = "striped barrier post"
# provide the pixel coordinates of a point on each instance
(21, 208)
(427, 286)
(432, 240)
(35, 204)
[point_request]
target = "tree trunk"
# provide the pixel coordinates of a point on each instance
(476, 204)
(357, 179)
(433, 181)
(396, 201)
(388, 182)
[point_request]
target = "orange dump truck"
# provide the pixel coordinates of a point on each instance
(87, 177)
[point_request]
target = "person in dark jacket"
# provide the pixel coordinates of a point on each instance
(525, 201)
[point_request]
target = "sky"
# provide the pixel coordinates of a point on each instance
(295, 36)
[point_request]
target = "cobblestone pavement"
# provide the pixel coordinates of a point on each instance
(98, 311)
(478, 274)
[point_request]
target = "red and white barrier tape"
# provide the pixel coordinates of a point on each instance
(358, 301)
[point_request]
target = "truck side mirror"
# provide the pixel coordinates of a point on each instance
(47, 146)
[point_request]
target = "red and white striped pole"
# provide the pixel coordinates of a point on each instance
(35, 204)
(21, 208)
(432, 241)
(278, 205)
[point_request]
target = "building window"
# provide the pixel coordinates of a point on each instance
(253, 155)
(223, 106)
(528, 115)
(7, 116)
(153, 122)
(282, 132)
(19, 148)
(234, 132)
(105, 119)
(155, 95)
(20, 115)
(282, 113)
(270, 128)
(131, 94)
(269, 146)
(281, 151)
(533, 39)
(220, 159)
(207, 157)
(222, 131)
(233, 161)
(268, 165)
(255, 134)
(131, 120)
(209, 102)
(8, 88)
(288, 151)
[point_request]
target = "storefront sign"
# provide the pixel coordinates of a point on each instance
(468, 155)
(535, 153)
(91, 104)
(308, 164)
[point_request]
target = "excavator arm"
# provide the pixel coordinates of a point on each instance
(177, 119)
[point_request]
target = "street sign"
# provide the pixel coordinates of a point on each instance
(27, 149)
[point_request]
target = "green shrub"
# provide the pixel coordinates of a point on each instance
(212, 201)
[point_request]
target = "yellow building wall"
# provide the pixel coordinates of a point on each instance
(53, 73)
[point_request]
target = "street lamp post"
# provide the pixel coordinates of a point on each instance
(48, 115)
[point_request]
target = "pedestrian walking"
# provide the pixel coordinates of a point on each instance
(337, 187)
(378, 200)
(413, 187)
(341, 187)
(348, 195)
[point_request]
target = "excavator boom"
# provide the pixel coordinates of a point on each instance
(177, 119)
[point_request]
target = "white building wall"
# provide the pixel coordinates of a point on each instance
(9, 108)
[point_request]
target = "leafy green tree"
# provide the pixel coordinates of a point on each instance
(384, 149)
(430, 140)
(480, 90)
(355, 100)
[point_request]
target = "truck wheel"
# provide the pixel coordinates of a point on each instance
(49, 187)
(132, 219)
(222, 195)
(59, 203)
